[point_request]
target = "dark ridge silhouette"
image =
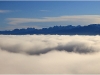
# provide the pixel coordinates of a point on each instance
(92, 29)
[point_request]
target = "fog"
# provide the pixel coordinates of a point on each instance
(49, 54)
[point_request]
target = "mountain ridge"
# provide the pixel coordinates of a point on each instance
(92, 29)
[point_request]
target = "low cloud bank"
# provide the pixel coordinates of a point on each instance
(40, 44)
(49, 54)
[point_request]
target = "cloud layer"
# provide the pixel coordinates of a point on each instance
(5, 11)
(49, 54)
(81, 19)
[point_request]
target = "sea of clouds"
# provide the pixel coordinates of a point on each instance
(49, 54)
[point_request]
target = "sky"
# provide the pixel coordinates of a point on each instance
(39, 14)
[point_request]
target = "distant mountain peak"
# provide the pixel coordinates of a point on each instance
(92, 29)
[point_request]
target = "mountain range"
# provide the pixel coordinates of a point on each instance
(92, 29)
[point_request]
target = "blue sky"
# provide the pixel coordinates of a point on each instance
(38, 14)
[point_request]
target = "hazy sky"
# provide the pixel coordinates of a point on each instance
(38, 14)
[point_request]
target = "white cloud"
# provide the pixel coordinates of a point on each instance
(5, 11)
(80, 19)
(65, 54)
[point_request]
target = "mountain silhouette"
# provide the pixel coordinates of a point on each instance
(92, 29)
